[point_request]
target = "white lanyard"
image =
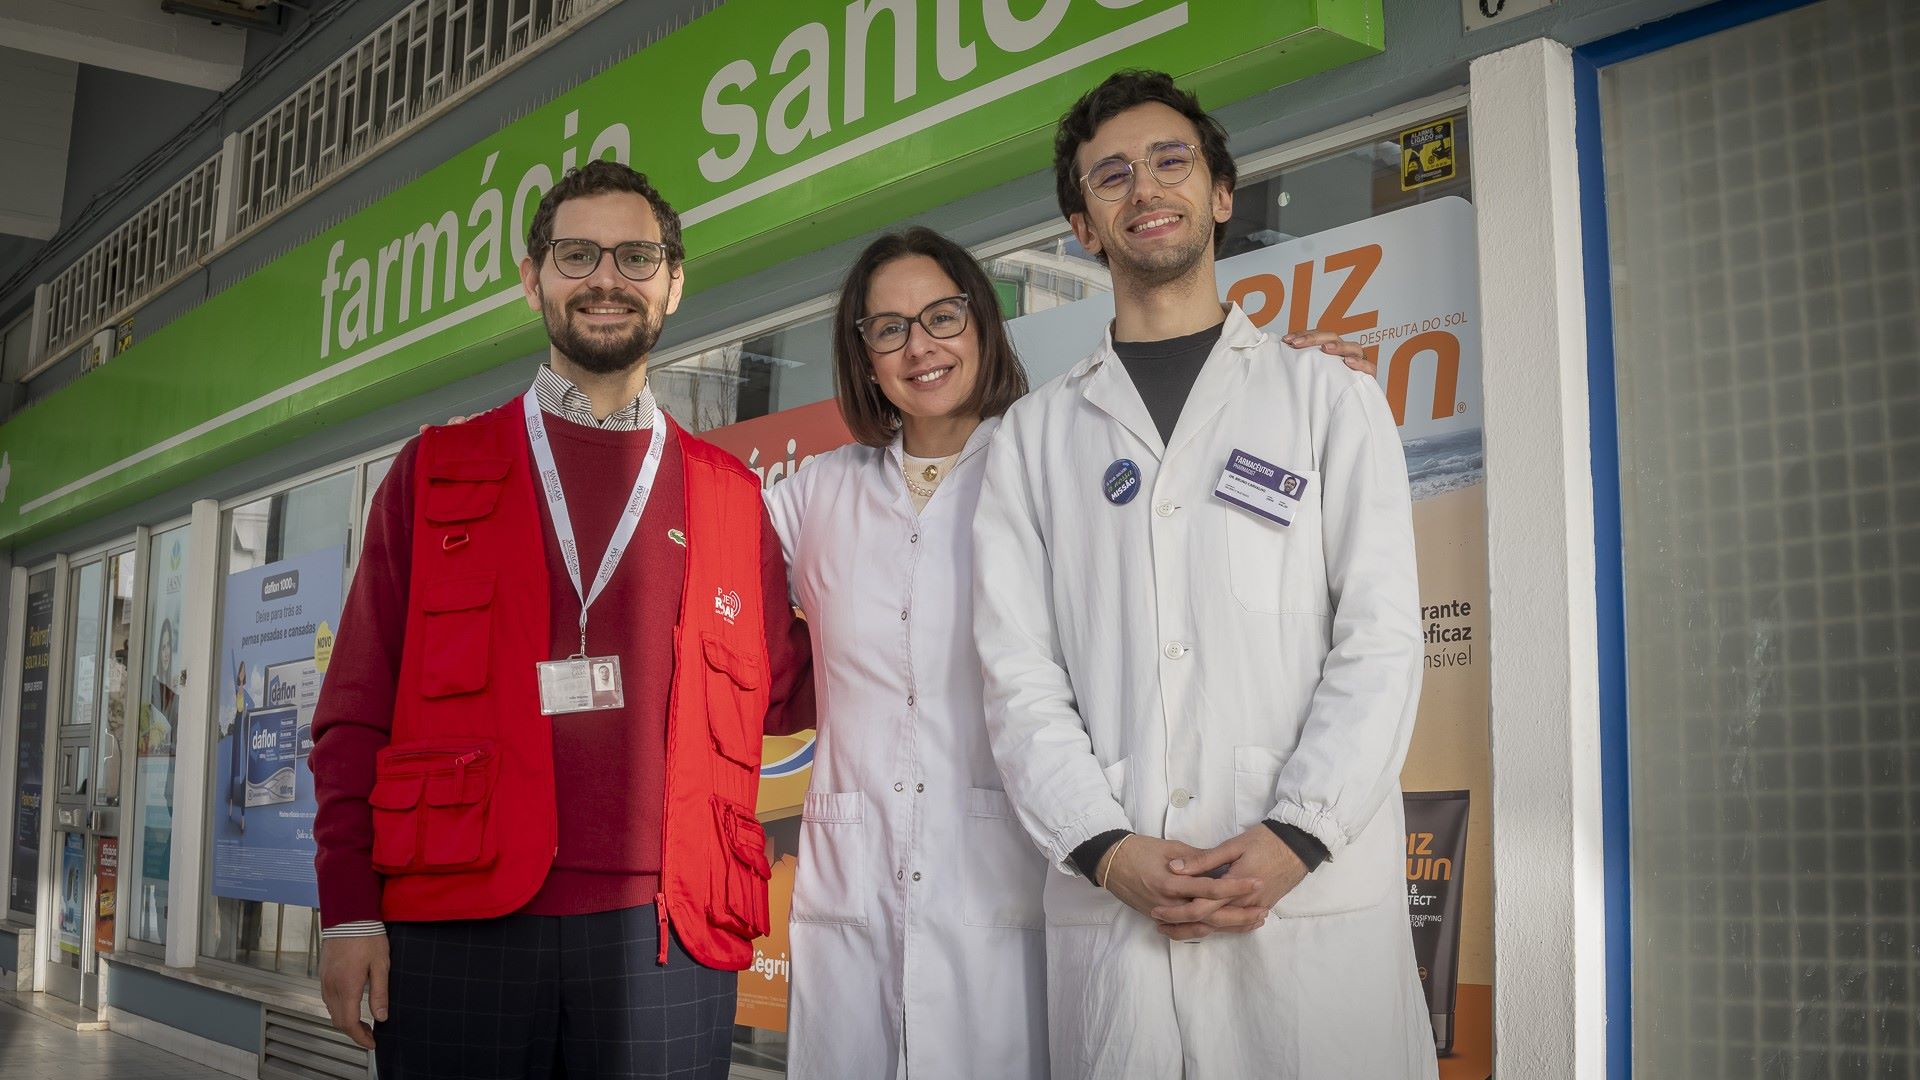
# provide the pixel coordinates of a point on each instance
(563, 522)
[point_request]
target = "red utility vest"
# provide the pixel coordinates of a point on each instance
(463, 802)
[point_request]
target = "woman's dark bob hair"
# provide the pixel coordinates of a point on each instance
(868, 414)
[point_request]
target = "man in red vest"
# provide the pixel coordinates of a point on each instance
(537, 749)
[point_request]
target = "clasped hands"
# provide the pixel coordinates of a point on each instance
(1167, 881)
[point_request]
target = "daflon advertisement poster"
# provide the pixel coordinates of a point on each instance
(1402, 285)
(274, 648)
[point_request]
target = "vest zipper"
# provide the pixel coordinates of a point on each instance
(660, 912)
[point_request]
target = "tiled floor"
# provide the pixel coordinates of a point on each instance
(32, 1048)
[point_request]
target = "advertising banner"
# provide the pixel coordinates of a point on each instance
(106, 891)
(73, 891)
(765, 984)
(775, 127)
(30, 767)
(1403, 285)
(274, 621)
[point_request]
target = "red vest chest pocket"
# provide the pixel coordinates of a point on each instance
(463, 489)
(732, 684)
(432, 805)
(456, 641)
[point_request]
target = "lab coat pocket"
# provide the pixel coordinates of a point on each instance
(1277, 569)
(1358, 877)
(1006, 872)
(833, 871)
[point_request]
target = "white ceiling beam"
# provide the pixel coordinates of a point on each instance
(134, 36)
(34, 131)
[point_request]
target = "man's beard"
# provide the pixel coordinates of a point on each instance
(1164, 264)
(603, 352)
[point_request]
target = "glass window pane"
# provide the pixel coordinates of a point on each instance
(83, 679)
(161, 684)
(779, 370)
(113, 688)
(377, 471)
(286, 559)
(1770, 493)
(1354, 184)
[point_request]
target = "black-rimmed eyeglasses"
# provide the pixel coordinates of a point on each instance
(887, 332)
(637, 260)
(1112, 179)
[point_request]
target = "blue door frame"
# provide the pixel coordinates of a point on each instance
(1604, 438)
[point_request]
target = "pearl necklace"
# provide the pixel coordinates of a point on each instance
(931, 474)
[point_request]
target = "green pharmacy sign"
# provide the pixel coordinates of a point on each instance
(776, 127)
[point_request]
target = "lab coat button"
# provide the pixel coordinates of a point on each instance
(918, 788)
(914, 539)
(909, 701)
(1163, 508)
(916, 875)
(899, 787)
(903, 614)
(1175, 650)
(1181, 797)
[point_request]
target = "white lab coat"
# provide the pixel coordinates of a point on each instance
(917, 895)
(1181, 668)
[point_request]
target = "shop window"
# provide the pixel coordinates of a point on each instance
(111, 738)
(753, 377)
(284, 583)
(376, 474)
(161, 681)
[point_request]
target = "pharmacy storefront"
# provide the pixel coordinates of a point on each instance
(185, 520)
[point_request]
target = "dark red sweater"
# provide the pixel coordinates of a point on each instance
(609, 766)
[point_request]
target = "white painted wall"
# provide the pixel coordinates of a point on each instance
(1549, 906)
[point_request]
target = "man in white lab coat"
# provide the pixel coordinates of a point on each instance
(1196, 609)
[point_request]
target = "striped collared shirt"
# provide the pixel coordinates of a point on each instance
(561, 398)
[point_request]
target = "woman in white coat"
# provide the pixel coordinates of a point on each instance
(916, 920)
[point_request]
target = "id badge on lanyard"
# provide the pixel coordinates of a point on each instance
(584, 683)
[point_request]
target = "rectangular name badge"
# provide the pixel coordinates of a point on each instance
(580, 684)
(1260, 487)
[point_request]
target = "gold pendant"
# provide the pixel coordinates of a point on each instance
(930, 473)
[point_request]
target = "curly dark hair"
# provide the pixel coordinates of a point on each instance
(1122, 91)
(598, 178)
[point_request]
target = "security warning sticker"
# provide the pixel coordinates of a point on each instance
(1426, 154)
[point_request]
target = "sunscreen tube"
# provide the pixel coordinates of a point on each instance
(1436, 848)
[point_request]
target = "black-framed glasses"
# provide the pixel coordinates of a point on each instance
(887, 332)
(1112, 179)
(637, 260)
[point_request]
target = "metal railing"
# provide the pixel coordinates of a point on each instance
(150, 251)
(413, 67)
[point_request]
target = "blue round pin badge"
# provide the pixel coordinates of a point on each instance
(1122, 482)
